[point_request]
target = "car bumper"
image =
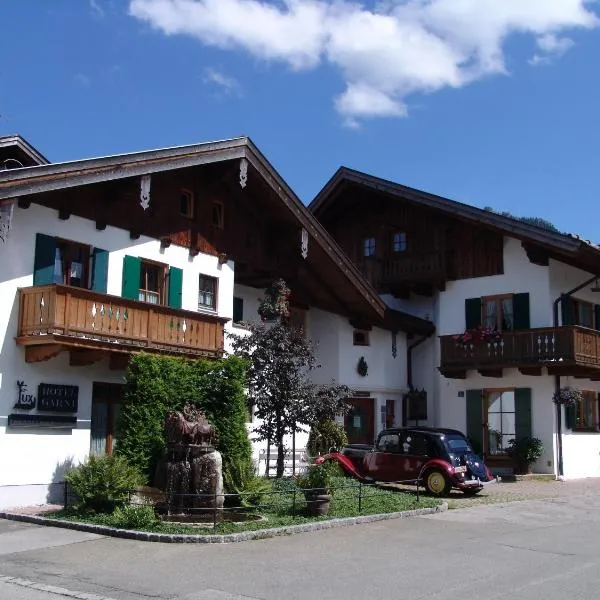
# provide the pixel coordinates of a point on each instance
(473, 483)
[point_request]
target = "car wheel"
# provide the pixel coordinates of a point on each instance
(471, 492)
(436, 483)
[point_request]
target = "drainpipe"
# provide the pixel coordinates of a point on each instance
(409, 370)
(559, 449)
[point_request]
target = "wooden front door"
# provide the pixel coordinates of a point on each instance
(359, 422)
(106, 403)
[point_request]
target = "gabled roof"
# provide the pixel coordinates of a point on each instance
(58, 176)
(562, 246)
(17, 150)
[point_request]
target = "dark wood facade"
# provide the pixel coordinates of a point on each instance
(416, 249)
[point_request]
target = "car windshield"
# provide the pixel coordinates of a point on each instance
(457, 444)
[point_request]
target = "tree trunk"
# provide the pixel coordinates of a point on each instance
(280, 449)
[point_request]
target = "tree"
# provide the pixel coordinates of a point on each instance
(279, 362)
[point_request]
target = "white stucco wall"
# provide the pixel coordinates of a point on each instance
(29, 457)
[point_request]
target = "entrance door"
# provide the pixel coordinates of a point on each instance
(106, 403)
(390, 413)
(358, 423)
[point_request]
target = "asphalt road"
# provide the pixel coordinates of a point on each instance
(540, 549)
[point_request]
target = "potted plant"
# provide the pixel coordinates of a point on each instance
(317, 483)
(525, 451)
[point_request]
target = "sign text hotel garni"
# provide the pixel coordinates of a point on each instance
(57, 398)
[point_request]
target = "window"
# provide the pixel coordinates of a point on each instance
(71, 263)
(586, 413)
(369, 247)
(498, 313)
(361, 337)
(416, 406)
(106, 404)
(152, 282)
(584, 313)
(186, 204)
(389, 442)
(218, 215)
(207, 295)
(499, 406)
(399, 242)
(238, 310)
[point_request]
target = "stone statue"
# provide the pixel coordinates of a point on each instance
(189, 427)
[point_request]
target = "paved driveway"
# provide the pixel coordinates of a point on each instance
(541, 548)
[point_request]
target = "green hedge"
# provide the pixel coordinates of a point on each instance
(156, 385)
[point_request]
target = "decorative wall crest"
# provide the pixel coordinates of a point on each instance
(243, 172)
(394, 344)
(362, 368)
(145, 191)
(304, 243)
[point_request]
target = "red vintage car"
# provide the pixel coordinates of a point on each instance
(438, 459)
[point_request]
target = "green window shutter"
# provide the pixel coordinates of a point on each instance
(475, 419)
(597, 316)
(175, 286)
(132, 269)
(522, 413)
(238, 310)
(43, 263)
(472, 313)
(99, 270)
(521, 311)
(567, 307)
(570, 416)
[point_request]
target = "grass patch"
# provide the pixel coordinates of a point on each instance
(285, 505)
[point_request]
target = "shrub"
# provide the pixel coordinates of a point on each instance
(103, 483)
(324, 436)
(159, 384)
(241, 479)
(319, 477)
(526, 450)
(134, 517)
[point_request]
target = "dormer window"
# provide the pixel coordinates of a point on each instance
(369, 246)
(399, 242)
(186, 204)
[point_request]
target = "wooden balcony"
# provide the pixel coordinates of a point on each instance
(54, 318)
(409, 270)
(569, 350)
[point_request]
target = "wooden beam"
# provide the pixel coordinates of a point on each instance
(454, 374)
(100, 225)
(24, 202)
(118, 362)
(530, 370)
(490, 372)
(64, 214)
(83, 358)
(42, 352)
(535, 254)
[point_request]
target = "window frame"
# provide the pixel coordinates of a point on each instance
(578, 304)
(202, 307)
(65, 248)
(219, 222)
(581, 413)
(399, 246)
(355, 337)
(485, 414)
(162, 272)
(368, 249)
(498, 299)
(185, 193)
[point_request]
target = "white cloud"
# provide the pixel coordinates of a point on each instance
(82, 80)
(221, 80)
(384, 53)
(551, 47)
(96, 8)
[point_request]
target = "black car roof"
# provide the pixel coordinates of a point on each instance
(429, 430)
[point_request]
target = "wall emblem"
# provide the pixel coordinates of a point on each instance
(25, 401)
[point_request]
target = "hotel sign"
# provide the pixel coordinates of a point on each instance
(57, 398)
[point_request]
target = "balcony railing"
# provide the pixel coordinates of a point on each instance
(560, 347)
(71, 315)
(425, 267)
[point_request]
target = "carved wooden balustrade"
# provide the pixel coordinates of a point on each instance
(71, 316)
(568, 350)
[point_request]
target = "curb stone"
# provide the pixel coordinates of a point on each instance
(221, 539)
(32, 585)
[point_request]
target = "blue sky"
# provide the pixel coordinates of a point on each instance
(484, 101)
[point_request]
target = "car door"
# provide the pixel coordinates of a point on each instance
(382, 463)
(416, 448)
